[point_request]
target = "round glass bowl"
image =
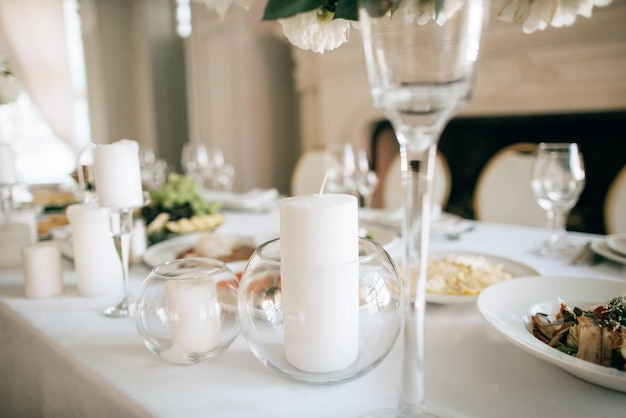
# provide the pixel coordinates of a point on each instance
(321, 324)
(186, 310)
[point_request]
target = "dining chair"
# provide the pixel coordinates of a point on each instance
(392, 184)
(308, 173)
(615, 205)
(503, 192)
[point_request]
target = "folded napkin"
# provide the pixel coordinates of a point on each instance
(447, 224)
(392, 218)
(254, 199)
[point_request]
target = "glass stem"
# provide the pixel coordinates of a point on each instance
(417, 177)
(121, 222)
(556, 224)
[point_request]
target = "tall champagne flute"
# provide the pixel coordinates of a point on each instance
(558, 178)
(420, 57)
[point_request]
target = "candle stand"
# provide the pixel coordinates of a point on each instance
(262, 300)
(186, 310)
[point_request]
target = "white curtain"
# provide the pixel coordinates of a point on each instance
(33, 33)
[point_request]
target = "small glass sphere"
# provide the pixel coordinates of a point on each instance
(323, 325)
(186, 310)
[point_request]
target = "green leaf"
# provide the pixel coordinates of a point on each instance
(280, 9)
(347, 9)
(378, 8)
(438, 6)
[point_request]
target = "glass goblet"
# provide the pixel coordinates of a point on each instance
(558, 178)
(121, 226)
(195, 161)
(420, 57)
(340, 167)
(85, 174)
(365, 179)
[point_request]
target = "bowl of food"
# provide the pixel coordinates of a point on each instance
(178, 208)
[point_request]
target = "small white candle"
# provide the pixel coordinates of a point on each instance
(8, 173)
(97, 265)
(117, 174)
(43, 270)
(320, 281)
(194, 314)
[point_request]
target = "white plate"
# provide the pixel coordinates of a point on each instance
(516, 269)
(600, 246)
(509, 306)
(169, 249)
(448, 223)
(617, 243)
(386, 237)
(442, 222)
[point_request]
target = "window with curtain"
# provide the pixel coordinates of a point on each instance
(47, 124)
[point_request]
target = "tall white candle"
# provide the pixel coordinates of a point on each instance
(320, 281)
(97, 265)
(194, 314)
(8, 173)
(42, 269)
(117, 174)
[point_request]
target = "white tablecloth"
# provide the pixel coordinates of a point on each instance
(60, 357)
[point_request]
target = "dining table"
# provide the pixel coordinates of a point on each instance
(60, 357)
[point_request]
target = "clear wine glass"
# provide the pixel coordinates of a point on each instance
(420, 57)
(85, 174)
(365, 178)
(195, 161)
(558, 178)
(340, 166)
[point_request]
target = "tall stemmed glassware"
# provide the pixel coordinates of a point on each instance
(420, 56)
(195, 161)
(558, 178)
(339, 164)
(365, 178)
(118, 181)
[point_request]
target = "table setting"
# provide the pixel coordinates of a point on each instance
(475, 343)
(466, 355)
(254, 304)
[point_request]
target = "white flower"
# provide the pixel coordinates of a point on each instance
(539, 14)
(316, 30)
(426, 11)
(9, 90)
(222, 6)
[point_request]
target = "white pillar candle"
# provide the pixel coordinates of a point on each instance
(194, 314)
(117, 174)
(8, 173)
(138, 241)
(98, 268)
(320, 281)
(42, 269)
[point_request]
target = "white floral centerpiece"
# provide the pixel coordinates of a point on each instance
(323, 25)
(9, 89)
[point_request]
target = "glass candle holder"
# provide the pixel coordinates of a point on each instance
(332, 329)
(186, 310)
